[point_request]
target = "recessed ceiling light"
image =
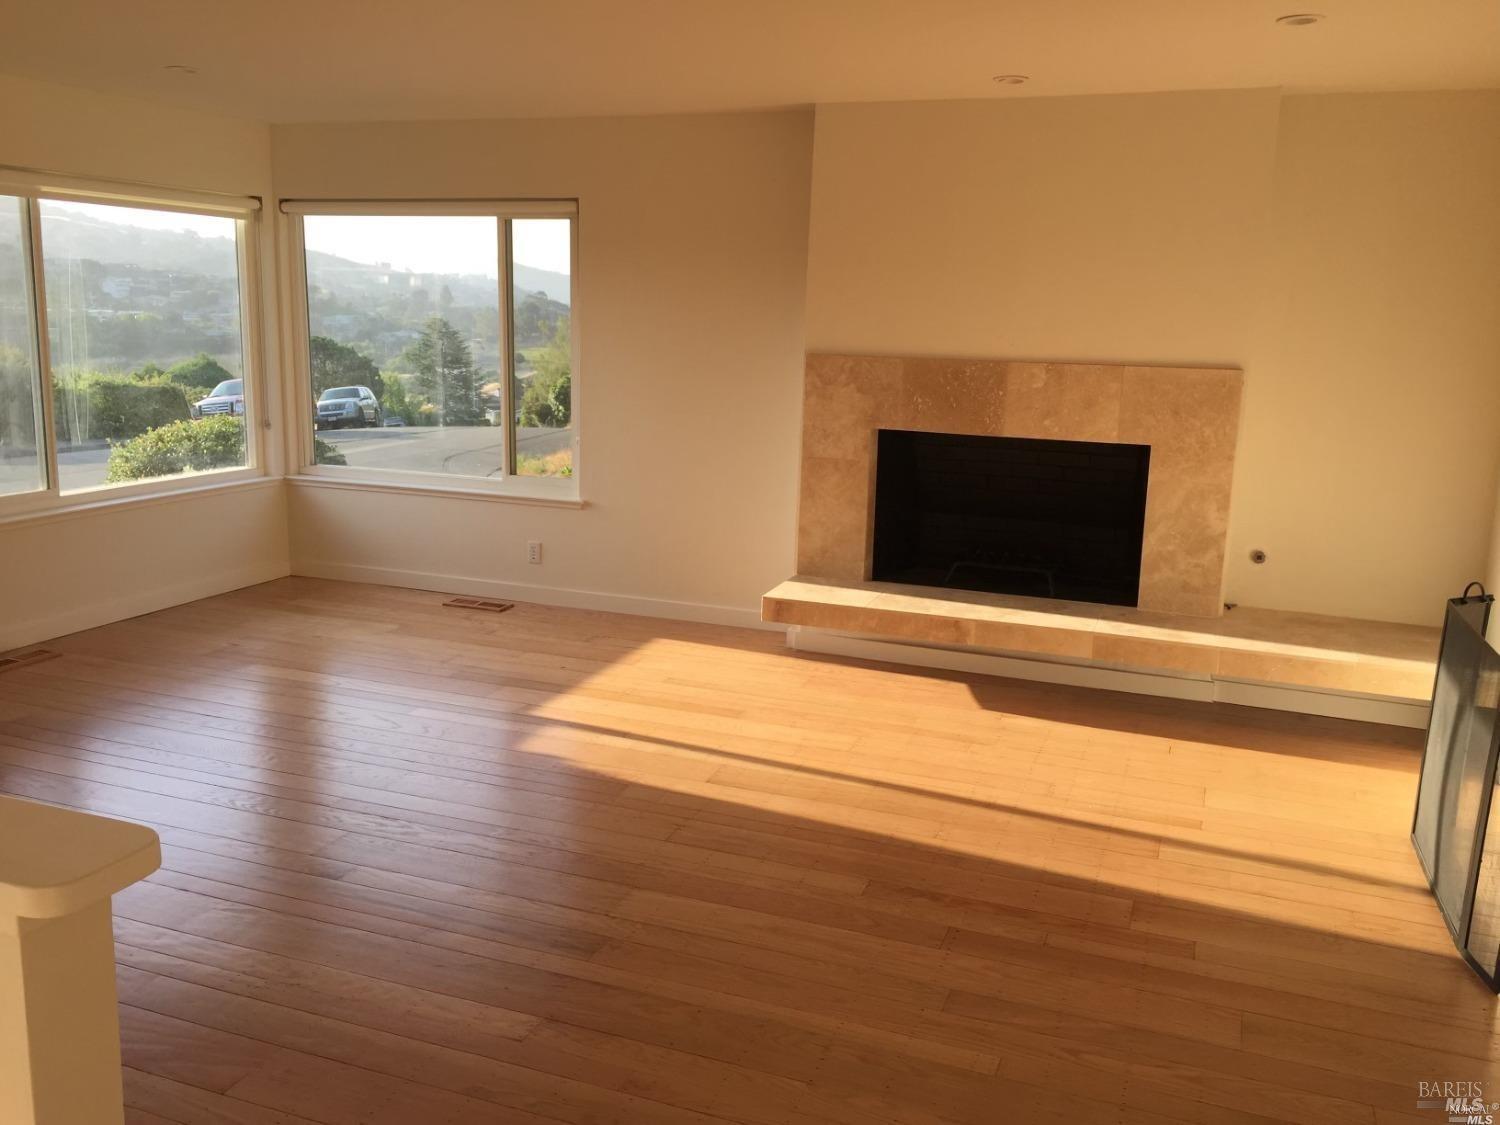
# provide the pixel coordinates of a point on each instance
(179, 68)
(1301, 19)
(1011, 79)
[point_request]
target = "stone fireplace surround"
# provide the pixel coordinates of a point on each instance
(1180, 636)
(1189, 416)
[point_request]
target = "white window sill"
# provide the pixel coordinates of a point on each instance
(98, 501)
(513, 492)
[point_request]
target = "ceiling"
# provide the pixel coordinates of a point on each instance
(322, 60)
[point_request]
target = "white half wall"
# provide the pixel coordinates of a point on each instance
(90, 568)
(82, 570)
(690, 289)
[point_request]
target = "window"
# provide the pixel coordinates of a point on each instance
(123, 352)
(143, 326)
(542, 377)
(440, 344)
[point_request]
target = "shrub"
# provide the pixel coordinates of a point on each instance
(326, 453)
(18, 410)
(558, 464)
(547, 401)
(548, 398)
(179, 447)
(399, 402)
(201, 373)
(108, 406)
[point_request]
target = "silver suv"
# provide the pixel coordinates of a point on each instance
(348, 406)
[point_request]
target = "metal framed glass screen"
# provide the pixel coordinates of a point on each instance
(1455, 797)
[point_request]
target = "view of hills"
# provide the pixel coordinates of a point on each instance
(75, 235)
(139, 295)
(71, 234)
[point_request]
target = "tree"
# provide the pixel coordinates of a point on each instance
(338, 365)
(443, 368)
(548, 398)
(398, 402)
(19, 409)
(537, 317)
(202, 372)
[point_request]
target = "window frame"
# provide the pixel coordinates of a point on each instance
(509, 486)
(32, 188)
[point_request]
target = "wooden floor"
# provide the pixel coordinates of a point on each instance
(429, 865)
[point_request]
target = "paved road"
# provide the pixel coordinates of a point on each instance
(462, 451)
(83, 468)
(472, 451)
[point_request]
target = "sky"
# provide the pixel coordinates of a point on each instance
(420, 243)
(439, 244)
(209, 226)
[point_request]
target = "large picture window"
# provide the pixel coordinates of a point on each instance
(440, 344)
(122, 345)
(143, 326)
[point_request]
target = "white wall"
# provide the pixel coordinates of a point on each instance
(1492, 571)
(1119, 228)
(690, 292)
(1341, 248)
(1368, 458)
(1344, 250)
(84, 570)
(87, 569)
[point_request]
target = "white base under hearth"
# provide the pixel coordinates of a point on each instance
(1208, 689)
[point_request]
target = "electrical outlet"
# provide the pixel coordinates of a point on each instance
(534, 552)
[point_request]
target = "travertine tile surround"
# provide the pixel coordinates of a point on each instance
(1189, 416)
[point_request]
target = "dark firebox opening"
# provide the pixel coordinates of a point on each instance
(1048, 519)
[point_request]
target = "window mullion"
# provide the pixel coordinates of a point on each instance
(297, 324)
(256, 411)
(508, 351)
(42, 343)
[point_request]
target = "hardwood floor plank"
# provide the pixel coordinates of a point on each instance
(188, 1105)
(569, 866)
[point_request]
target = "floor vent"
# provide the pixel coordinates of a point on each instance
(480, 603)
(21, 659)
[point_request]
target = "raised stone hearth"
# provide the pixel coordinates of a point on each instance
(1301, 650)
(1189, 416)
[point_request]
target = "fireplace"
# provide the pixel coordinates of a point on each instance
(1187, 416)
(1009, 515)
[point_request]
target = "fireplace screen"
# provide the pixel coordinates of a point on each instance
(1050, 519)
(1455, 829)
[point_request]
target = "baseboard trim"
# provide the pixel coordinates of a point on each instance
(95, 614)
(1332, 704)
(1276, 697)
(542, 595)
